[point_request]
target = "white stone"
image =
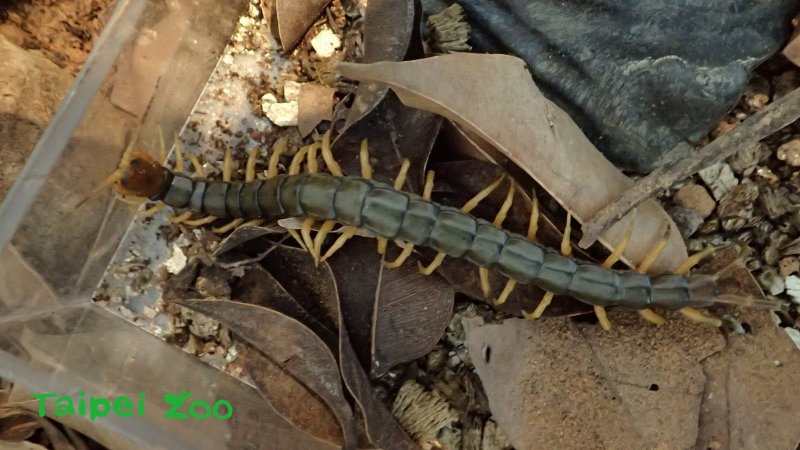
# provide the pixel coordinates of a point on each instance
(177, 261)
(794, 334)
(793, 288)
(291, 91)
(719, 178)
(325, 43)
(283, 114)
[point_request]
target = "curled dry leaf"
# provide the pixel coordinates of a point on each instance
(396, 315)
(637, 386)
(388, 31)
(292, 346)
(294, 269)
(494, 97)
(294, 19)
(792, 49)
(315, 105)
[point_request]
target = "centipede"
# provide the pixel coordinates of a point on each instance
(315, 189)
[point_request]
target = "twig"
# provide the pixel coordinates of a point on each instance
(760, 125)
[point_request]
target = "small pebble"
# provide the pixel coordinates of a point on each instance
(790, 152)
(720, 178)
(789, 265)
(793, 288)
(687, 220)
(693, 196)
(325, 43)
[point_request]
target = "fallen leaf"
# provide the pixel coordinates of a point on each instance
(396, 315)
(750, 399)
(495, 97)
(291, 345)
(294, 18)
(290, 398)
(296, 272)
(638, 386)
(388, 31)
(315, 105)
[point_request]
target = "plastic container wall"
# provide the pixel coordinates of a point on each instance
(146, 72)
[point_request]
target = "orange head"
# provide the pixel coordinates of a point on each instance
(140, 176)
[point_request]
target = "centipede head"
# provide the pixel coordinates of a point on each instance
(138, 175)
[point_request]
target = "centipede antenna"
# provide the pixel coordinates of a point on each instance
(327, 155)
(277, 150)
(347, 233)
(198, 168)
(200, 222)
(294, 167)
(110, 180)
(695, 259)
(151, 210)
(162, 147)
(363, 157)
(313, 167)
(180, 218)
(228, 226)
(602, 318)
(305, 231)
(326, 228)
(250, 168)
(178, 154)
(227, 166)
(408, 248)
(697, 316)
(474, 201)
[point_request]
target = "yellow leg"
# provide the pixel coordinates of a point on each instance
(651, 256)
(483, 273)
(408, 247)
(474, 201)
(296, 236)
(697, 316)
(151, 210)
(198, 168)
(200, 222)
(399, 181)
(533, 225)
(347, 233)
(277, 150)
(311, 156)
(253, 223)
(327, 156)
(693, 260)
(437, 261)
(228, 226)
(363, 157)
(566, 250)
(180, 218)
(326, 228)
(612, 259)
(227, 166)
(297, 161)
(305, 231)
(178, 154)
(250, 168)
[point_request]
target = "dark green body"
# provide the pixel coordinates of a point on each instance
(392, 214)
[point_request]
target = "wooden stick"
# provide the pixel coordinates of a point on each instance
(760, 125)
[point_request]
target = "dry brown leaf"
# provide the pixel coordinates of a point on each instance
(552, 383)
(751, 399)
(294, 18)
(495, 97)
(314, 105)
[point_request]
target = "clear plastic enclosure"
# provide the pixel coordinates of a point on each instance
(145, 73)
